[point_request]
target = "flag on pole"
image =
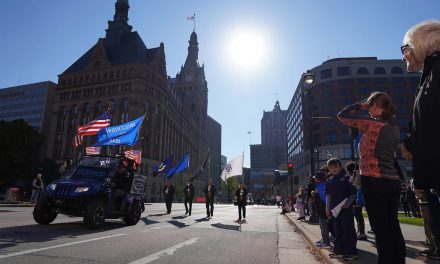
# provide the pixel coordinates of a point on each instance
(133, 154)
(248, 132)
(91, 128)
(203, 167)
(123, 134)
(93, 150)
(183, 164)
(233, 168)
(190, 18)
(163, 167)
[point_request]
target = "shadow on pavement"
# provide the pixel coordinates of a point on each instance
(227, 227)
(179, 217)
(178, 224)
(148, 221)
(204, 219)
(15, 235)
(158, 214)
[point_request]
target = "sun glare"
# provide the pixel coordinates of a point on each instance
(246, 49)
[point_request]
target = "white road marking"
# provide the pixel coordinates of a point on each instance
(29, 251)
(169, 251)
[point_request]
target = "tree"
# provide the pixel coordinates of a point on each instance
(20, 148)
(230, 187)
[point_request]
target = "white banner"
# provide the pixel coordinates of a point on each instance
(233, 168)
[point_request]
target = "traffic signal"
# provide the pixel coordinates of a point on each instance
(290, 168)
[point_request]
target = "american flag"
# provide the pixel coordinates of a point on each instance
(190, 18)
(93, 150)
(134, 155)
(91, 128)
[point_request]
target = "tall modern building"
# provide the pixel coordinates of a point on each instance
(271, 154)
(341, 82)
(30, 102)
(120, 71)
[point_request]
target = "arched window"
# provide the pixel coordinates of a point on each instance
(363, 71)
(396, 70)
(379, 70)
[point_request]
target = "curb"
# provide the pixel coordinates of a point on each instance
(323, 253)
(16, 205)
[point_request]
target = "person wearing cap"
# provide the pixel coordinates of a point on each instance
(241, 194)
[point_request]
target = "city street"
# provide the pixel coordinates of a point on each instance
(267, 237)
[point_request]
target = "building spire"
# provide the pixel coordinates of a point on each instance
(119, 25)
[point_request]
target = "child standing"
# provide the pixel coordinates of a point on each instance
(300, 204)
(340, 195)
(319, 204)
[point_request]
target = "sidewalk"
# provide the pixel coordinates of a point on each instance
(414, 238)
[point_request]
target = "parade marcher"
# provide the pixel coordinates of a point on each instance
(168, 191)
(278, 200)
(188, 191)
(340, 194)
(37, 187)
(209, 198)
(380, 179)
(241, 194)
(421, 51)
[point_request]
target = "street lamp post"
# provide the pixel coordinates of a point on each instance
(309, 82)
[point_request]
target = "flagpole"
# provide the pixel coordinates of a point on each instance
(194, 27)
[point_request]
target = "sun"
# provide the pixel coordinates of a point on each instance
(246, 48)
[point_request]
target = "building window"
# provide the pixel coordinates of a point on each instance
(330, 137)
(381, 80)
(379, 70)
(363, 71)
(398, 80)
(363, 80)
(364, 90)
(343, 71)
(326, 74)
(396, 70)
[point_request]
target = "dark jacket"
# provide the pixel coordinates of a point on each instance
(378, 142)
(423, 140)
(241, 196)
(188, 191)
(337, 188)
(209, 194)
(169, 193)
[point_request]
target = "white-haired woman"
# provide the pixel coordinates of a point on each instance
(421, 51)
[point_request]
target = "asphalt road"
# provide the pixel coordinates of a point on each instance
(266, 238)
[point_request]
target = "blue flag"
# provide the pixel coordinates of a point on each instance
(183, 164)
(163, 167)
(123, 134)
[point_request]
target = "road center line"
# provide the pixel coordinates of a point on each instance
(169, 251)
(29, 251)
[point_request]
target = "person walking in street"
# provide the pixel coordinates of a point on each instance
(421, 51)
(209, 198)
(241, 194)
(37, 187)
(188, 191)
(168, 191)
(379, 177)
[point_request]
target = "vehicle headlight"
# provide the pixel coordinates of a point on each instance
(82, 189)
(52, 186)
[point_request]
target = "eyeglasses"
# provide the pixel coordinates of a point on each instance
(404, 48)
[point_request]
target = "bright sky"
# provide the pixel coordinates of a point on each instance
(41, 38)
